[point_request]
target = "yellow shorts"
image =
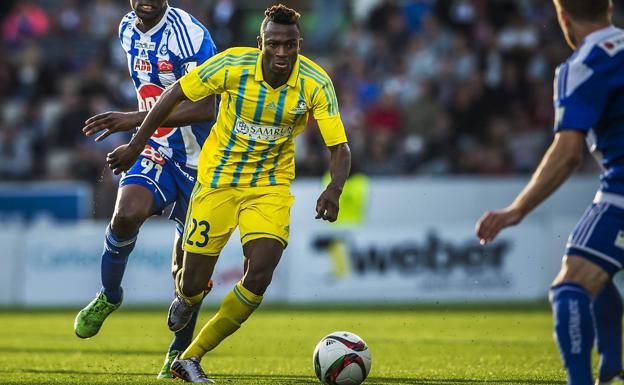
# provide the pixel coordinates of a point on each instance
(213, 214)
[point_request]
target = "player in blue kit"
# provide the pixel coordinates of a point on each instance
(589, 105)
(162, 44)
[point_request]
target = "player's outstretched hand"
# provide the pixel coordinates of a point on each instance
(123, 157)
(327, 205)
(109, 122)
(492, 222)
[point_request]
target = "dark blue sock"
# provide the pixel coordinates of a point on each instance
(607, 308)
(574, 329)
(184, 337)
(114, 259)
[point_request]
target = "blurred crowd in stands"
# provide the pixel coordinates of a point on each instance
(425, 87)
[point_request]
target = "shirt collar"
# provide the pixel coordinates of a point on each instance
(600, 34)
(292, 79)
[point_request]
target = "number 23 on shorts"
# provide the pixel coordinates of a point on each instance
(197, 233)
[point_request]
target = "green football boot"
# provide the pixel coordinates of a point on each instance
(90, 319)
(165, 371)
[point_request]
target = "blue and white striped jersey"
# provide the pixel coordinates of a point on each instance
(589, 97)
(156, 59)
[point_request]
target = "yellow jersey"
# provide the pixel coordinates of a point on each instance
(251, 144)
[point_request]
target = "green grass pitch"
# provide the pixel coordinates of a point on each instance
(432, 345)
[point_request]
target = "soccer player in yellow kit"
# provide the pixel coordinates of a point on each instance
(245, 170)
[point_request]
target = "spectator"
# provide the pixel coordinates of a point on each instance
(426, 87)
(16, 152)
(27, 20)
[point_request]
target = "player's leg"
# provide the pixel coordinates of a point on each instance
(192, 285)
(189, 294)
(262, 255)
(571, 296)
(592, 258)
(135, 204)
(182, 338)
(607, 310)
(144, 190)
(185, 181)
(133, 207)
(211, 218)
(264, 222)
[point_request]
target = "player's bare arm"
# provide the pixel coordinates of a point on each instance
(185, 113)
(340, 164)
(561, 159)
(122, 158)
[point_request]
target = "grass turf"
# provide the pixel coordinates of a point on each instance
(433, 346)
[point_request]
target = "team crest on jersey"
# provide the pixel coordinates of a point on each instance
(141, 65)
(165, 66)
(300, 108)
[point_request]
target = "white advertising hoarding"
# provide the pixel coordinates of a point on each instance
(423, 262)
(420, 249)
(62, 265)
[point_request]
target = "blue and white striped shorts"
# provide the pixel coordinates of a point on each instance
(599, 235)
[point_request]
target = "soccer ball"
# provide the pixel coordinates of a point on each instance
(341, 358)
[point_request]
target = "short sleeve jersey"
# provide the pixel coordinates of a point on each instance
(156, 59)
(252, 142)
(589, 97)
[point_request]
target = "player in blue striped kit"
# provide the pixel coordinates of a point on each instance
(162, 44)
(589, 106)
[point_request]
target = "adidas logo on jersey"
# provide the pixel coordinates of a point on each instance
(271, 106)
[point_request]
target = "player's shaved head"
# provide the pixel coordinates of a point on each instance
(280, 14)
(586, 10)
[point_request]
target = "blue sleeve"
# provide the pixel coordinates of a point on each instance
(580, 95)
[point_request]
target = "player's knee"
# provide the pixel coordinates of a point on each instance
(124, 225)
(590, 278)
(257, 281)
(589, 287)
(193, 284)
(126, 221)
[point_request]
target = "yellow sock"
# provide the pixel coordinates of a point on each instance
(192, 300)
(236, 307)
